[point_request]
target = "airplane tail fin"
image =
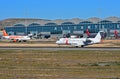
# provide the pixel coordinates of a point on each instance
(98, 37)
(4, 33)
(87, 32)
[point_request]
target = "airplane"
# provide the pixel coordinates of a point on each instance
(15, 38)
(80, 41)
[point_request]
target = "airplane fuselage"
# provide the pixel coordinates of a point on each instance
(17, 38)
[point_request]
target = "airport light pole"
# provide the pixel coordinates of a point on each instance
(26, 14)
(99, 14)
(26, 29)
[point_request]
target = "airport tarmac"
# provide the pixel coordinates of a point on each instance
(59, 48)
(49, 43)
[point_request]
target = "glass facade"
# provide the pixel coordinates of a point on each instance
(65, 27)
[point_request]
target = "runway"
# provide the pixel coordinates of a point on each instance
(59, 48)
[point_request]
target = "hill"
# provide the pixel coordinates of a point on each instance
(13, 21)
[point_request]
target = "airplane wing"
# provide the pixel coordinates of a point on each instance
(88, 42)
(80, 43)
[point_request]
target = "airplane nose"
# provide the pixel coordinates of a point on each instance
(57, 42)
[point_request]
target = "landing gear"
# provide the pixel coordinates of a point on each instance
(82, 45)
(19, 41)
(24, 40)
(76, 46)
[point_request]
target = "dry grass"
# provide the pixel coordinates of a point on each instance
(23, 64)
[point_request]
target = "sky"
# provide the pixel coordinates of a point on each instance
(59, 9)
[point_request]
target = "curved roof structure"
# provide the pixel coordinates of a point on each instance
(86, 22)
(51, 24)
(105, 21)
(19, 25)
(34, 24)
(67, 23)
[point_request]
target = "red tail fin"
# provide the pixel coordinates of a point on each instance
(116, 34)
(87, 32)
(4, 33)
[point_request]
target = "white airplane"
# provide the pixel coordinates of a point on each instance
(80, 41)
(15, 38)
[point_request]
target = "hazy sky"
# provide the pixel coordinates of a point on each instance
(59, 9)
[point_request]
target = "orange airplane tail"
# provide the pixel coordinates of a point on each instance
(4, 33)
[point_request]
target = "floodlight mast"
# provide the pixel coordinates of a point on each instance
(26, 14)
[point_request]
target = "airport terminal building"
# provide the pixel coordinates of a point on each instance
(61, 27)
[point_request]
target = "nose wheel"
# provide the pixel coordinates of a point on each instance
(76, 46)
(82, 45)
